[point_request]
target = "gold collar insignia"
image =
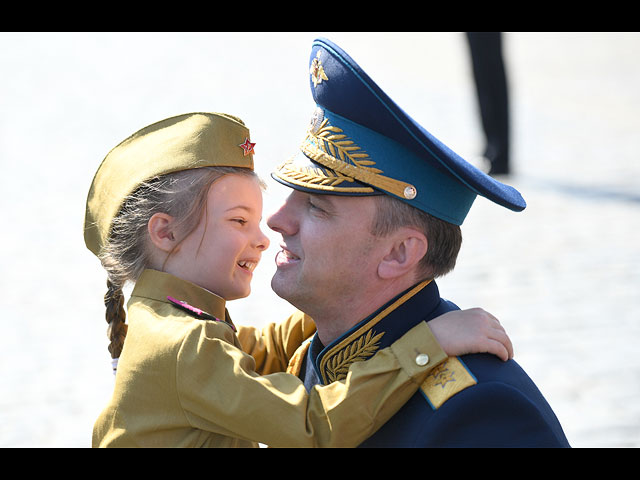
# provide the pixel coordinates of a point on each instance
(360, 345)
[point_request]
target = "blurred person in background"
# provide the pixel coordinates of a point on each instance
(493, 98)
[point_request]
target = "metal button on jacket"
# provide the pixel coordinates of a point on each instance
(422, 359)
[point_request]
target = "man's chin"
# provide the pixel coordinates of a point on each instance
(285, 288)
(278, 285)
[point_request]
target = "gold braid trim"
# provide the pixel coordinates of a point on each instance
(316, 177)
(329, 146)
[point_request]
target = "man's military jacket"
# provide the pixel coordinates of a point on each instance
(183, 379)
(469, 401)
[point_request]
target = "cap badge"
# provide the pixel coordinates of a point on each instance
(317, 71)
(316, 120)
(247, 146)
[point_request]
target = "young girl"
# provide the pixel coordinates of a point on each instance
(176, 209)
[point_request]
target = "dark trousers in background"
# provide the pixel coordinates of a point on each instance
(491, 85)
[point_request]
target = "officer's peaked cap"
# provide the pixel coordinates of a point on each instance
(360, 142)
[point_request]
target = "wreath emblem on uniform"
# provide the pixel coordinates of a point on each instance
(361, 349)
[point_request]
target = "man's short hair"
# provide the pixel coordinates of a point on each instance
(444, 238)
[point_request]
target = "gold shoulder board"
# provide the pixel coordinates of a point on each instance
(447, 379)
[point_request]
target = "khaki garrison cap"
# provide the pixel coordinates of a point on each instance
(183, 142)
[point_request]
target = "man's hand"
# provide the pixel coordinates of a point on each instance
(460, 332)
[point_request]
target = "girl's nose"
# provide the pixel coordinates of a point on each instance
(262, 241)
(282, 221)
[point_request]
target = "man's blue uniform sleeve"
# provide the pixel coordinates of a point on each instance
(490, 414)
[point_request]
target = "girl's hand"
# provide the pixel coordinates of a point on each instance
(460, 332)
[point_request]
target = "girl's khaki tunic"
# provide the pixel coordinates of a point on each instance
(187, 382)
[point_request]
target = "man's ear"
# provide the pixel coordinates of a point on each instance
(407, 247)
(161, 231)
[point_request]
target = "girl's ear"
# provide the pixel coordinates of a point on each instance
(406, 250)
(161, 233)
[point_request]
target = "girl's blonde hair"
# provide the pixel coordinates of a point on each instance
(183, 195)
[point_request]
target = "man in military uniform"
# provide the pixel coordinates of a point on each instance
(373, 218)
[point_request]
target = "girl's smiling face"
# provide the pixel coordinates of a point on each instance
(224, 249)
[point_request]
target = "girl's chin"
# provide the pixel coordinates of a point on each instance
(238, 293)
(231, 293)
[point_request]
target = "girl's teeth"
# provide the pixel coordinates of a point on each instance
(248, 265)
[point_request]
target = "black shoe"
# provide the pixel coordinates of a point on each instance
(499, 169)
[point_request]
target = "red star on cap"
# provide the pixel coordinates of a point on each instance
(247, 146)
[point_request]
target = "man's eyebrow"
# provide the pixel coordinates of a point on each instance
(322, 198)
(324, 201)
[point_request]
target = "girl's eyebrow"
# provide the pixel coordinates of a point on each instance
(243, 207)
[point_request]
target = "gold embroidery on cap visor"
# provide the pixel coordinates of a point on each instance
(316, 178)
(330, 147)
